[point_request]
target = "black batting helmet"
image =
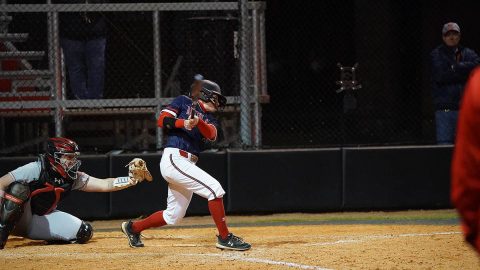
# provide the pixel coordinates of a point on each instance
(211, 92)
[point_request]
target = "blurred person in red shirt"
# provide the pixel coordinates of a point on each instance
(465, 188)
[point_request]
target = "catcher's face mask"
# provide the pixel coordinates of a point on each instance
(63, 157)
(69, 163)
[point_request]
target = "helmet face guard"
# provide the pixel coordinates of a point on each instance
(69, 163)
(63, 157)
(210, 92)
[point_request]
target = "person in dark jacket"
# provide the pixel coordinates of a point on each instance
(451, 66)
(83, 37)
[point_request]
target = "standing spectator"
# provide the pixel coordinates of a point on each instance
(465, 189)
(83, 40)
(451, 65)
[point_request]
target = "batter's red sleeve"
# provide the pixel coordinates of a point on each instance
(208, 131)
(178, 122)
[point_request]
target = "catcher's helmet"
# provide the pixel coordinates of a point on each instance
(62, 154)
(211, 92)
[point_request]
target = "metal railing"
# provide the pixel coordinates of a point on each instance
(251, 66)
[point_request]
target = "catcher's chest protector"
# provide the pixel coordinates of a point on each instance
(48, 190)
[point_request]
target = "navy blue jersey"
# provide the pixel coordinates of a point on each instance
(189, 140)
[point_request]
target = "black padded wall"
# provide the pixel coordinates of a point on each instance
(284, 180)
(378, 178)
(268, 181)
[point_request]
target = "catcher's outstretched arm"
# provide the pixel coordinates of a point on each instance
(108, 184)
(137, 172)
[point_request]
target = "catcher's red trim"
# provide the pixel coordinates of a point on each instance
(13, 198)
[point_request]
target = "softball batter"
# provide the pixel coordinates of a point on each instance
(189, 123)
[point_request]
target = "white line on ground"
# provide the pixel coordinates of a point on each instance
(16, 254)
(358, 239)
(259, 260)
(179, 245)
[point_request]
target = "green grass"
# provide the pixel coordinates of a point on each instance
(421, 216)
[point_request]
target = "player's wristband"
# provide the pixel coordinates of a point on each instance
(121, 182)
(170, 122)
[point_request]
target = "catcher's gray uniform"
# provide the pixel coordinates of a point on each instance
(56, 225)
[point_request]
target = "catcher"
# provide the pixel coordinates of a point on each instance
(30, 194)
(189, 122)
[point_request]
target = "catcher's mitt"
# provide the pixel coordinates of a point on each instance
(137, 170)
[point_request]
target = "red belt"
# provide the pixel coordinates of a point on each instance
(191, 157)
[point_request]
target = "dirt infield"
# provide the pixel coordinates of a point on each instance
(380, 240)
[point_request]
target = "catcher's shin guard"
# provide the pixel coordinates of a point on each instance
(11, 209)
(85, 233)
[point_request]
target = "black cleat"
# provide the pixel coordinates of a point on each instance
(134, 239)
(232, 242)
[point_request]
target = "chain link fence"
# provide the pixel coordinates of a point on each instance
(153, 50)
(136, 57)
(389, 40)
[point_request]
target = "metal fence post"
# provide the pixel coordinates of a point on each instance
(245, 116)
(157, 70)
(257, 109)
(263, 53)
(55, 67)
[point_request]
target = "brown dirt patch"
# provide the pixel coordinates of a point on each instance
(317, 246)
